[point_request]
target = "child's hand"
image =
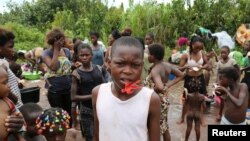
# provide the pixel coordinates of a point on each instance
(187, 67)
(219, 90)
(77, 64)
(14, 122)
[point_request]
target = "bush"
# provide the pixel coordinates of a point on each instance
(26, 37)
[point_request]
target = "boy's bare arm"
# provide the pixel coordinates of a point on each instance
(157, 80)
(96, 122)
(242, 95)
(154, 118)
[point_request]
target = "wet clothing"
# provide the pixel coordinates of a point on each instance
(87, 122)
(164, 104)
(87, 80)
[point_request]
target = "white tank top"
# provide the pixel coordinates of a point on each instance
(122, 120)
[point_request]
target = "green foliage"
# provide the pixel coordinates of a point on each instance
(64, 19)
(26, 37)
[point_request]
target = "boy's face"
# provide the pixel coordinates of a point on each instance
(224, 53)
(223, 80)
(84, 56)
(8, 49)
(4, 86)
(126, 65)
(148, 40)
(93, 38)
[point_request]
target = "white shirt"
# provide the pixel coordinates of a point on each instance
(122, 120)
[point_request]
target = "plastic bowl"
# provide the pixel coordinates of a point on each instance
(30, 94)
(32, 76)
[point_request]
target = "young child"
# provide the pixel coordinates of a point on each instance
(157, 79)
(224, 62)
(53, 124)
(195, 102)
(30, 112)
(6, 105)
(235, 94)
(84, 79)
(123, 110)
(194, 63)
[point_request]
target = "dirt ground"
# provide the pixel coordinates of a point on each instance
(177, 131)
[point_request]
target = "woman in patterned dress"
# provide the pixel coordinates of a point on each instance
(157, 79)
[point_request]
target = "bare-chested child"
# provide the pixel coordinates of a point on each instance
(235, 97)
(195, 102)
(224, 61)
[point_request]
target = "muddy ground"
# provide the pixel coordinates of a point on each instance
(177, 131)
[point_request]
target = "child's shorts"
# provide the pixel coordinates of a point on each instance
(248, 116)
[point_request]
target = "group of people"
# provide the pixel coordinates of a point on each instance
(122, 92)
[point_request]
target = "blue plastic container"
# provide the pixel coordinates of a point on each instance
(171, 76)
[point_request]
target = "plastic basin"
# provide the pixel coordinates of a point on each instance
(171, 76)
(32, 76)
(30, 94)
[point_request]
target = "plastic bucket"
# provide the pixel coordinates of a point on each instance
(30, 94)
(171, 76)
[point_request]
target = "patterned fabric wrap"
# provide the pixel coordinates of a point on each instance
(164, 104)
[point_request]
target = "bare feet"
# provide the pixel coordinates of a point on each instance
(180, 121)
(203, 124)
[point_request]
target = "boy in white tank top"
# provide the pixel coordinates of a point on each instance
(124, 110)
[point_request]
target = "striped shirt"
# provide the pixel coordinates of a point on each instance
(13, 84)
